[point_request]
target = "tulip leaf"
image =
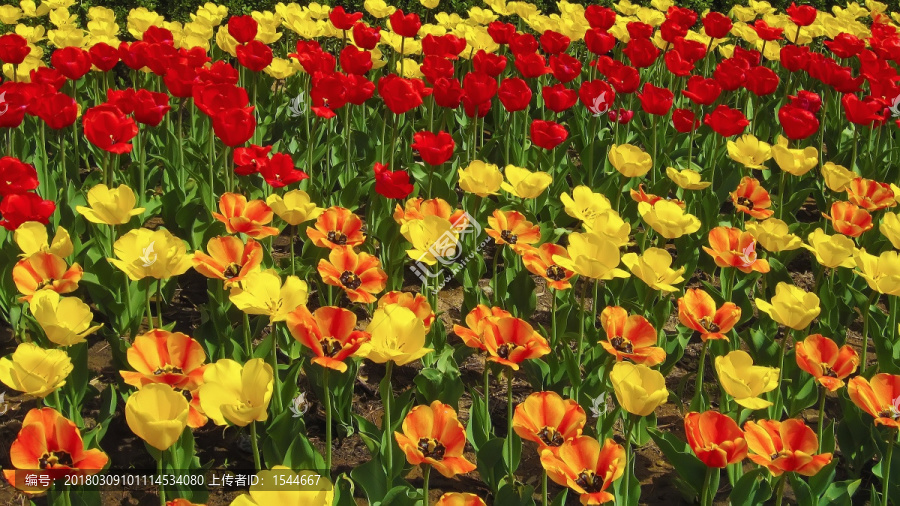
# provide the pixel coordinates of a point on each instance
(432, 385)
(491, 466)
(515, 496)
(751, 489)
(688, 466)
(802, 492)
(371, 478)
(478, 418)
(839, 493)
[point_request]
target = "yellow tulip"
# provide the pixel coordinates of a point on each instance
(378, 8)
(654, 268)
(629, 160)
(295, 207)
(774, 235)
(882, 272)
(687, 179)
(639, 389)
(584, 204)
(110, 206)
(398, 335)
(34, 370)
(431, 237)
(525, 184)
(831, 251)
(225, 41)
(610, 225)
(65, 320)
(794, 161)
(593, 256)
(890, 228)
(750, 151)
(668, 219)
(322, 494)
(10, 14)
(235, 393)
(157, 414)
(262, 293)
(140, 19)
(429, 4)
(745, 381)
(280, 69)
(837, 177)
(791, 306)
(144, 253)
(480, 178)
(31, 237)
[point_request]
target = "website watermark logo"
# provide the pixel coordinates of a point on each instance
(449, 253)
(296, 107)
(148, 256)
(4, 105)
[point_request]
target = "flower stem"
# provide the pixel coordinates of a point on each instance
(509, 429)
(696, 404)
(497, 252)
(821, 428)
(779, 494)
(255, 446)
(389, 453)
(160, 469)
(704, 493)
(629, 465)
(865, 333)
(578, 349)
(426, 474)
(327, 402)
(248, 348)
(273, 359)
(487, 398)
(886, 471)
(159, 319)
(544, 496)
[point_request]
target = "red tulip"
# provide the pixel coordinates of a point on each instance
(366, 37)
(623, 78)
(401, 94)
(220, 72)
(726, 121)
(123, 99)
(158, 35)
(448, 93)
(180, 80)
(72, 62)
(846, 45)
(487, 63)
(794, 58)
(558, 98)
(808, 100)
(446, 46)
(522, 43)
(405, 25)
(798, 123)
(597, 96)
(639, 30)
(279, 171)
(600, 17)
(474, 110)
(104, 56)
(641, 52)
(530, 65)
(677, 64)
(134, 54)
(684, 120)
(436, 67)
(355, 61)
(801, 15)
(715, 438)
(48, 76)
(655, 100)
(13, 48)
(690, 50)
(211, 99)
(554, 42)
(14, 104)
(514, 94)
(862, 112)
(434, 149)
(761, 81)
(716, 25)
(766, 32)
(343, 20)
(248, 161)
(599, 41)
(501, 32)
(16, 176)
(150, 108)
(328, 94)
(18, 208)
(108, 128)
(57, 110)
(242, 28)
(357, 89)
(730, 73)
(234, 126)
(622, 116)
(254, 55)
(670, 31)
(702, 91)
(479, 87)
(565, 68)
(392, 184)
(547, 134)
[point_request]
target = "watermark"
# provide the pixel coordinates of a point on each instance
(299, 406)
(148, 256)
(448, 251)
(600, 105)
(4, 405)
(296, 107)
(4, 105)
(599, 406)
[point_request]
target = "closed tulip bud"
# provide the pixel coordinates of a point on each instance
(791, 306)
(65, 320)
(639, 389)
(715, 438)
(157, 414)
(745, 381)
(629, 160)
(34, 370)
(525, 184)
(235, 393)
(110, 206)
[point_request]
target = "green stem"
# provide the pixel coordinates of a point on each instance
(149, 313)
(160, 471)
(273, 360)
(707, 481)
(696, 405)
(509, 422)
(779, 494)
(781, 193)
(487, 398)
(293, 261)
(544, 495)
(865, 333)
(886, 471)
(578, 349)
(327, 400)
(629, 465)
(254, 445)
(553, 334)
(426, 474)
(389, 454)
(821, 427)
(159, 319)
(248, 346)
(494, 282)
(855, 144)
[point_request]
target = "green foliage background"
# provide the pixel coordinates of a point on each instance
(180, 10)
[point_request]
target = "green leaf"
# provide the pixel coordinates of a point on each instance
(751, 489)
(682, 458)
(801, 491)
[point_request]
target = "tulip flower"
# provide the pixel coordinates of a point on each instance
(34, 370)
(18, 208)
(415, 302)
(849, 219)
(890, 228)
(773, 234)
(434, 149)
(477, 324)
(794, 161)
(480, 178)
(784, 447)
(751, 198)
(653, 267)
(697, 311)
(433, 435)
(143, 253)
(829, 364)
(294, 207)
(110, 206)
(687, 179)
(460, 499)
(584, 204)
(547, 134)
(639, 389)
(525, 184)
(750, 151)
(45, 271)
(592, 255)
(157, 414)
(878, 396)
(262, 293)
(837, 177)
(109, 129)
(668, 219)
(65, 320)
(359, 274)
(398, 335)
(730, 247)
(235, 393)
(265, 495)
(391, 184)
(870, 195)
(745, 381)
(329, 333)
(539, 261)
(336, 227)
(715, 438)
(229, 259)
(50, 445)
(31, 237)
(431, 238)
(240, 216)
(831, 251)
(510, 341)
(586, 467)
(791, 306)
(548, 420)
(511, 227)
(882, 273)
(630, 160)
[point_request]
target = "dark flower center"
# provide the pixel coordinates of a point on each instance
(589, 481)
(622, 345)
(556, 273)
(828, 371)
(550, 436)
(330, 346)
(231, 271)
(709, 325)
(350, 280)
(509, 237)
(56, 458)
(504, 350)
(338, 238)
(744, 201)
(431, 448)
(168, 369)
